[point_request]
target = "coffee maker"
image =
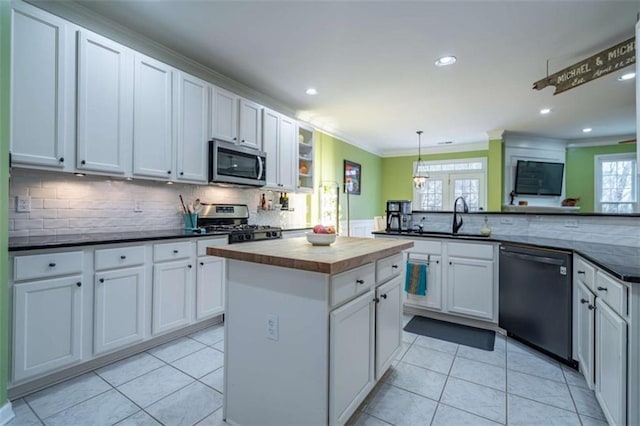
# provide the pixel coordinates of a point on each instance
(398, 215)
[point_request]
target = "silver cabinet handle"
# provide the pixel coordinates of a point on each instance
(602, 289)
(581, 272)
(583, 301)
(591, 307)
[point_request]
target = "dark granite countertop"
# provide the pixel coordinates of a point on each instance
(73, 240)
(622, 262)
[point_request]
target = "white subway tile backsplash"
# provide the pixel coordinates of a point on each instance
(56, 223)
(56, 204)
(42, 192)
(20, 224)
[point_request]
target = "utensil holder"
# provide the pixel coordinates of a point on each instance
(190, 221)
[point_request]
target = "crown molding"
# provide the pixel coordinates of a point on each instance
(444, 149)
(600, 141)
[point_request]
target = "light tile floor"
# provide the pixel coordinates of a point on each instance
(432, 382)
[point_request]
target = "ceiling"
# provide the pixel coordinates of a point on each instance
(373, 62)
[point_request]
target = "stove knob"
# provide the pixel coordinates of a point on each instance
(268, 234)
(240, 237)
(248, 237)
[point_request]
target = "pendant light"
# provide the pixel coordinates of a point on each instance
(419, 178)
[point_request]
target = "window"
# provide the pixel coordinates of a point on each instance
(616, 183)
(450, 179)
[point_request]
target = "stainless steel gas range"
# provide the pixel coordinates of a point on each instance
(234, 218)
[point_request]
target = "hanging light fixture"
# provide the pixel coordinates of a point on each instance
(419, 178)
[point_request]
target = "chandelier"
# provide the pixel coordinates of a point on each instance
(419, 178)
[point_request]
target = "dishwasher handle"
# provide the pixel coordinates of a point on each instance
(539, 259)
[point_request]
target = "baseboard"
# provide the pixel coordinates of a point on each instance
(6, 413)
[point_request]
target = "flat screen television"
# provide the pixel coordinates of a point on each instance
(538, 178)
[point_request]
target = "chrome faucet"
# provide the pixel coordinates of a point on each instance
(457, 224)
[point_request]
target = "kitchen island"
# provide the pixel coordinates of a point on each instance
(309, 330)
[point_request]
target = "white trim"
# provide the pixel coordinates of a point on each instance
(439, 149)
(6, 413)
(609, 140)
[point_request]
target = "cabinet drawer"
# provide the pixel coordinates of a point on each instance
(388, 267)
(46, 265)
(348, 284)
(171, 251)
(612, 292)
(429, 247)
(474, 251)
(203, 244)
(119, 257)
(585, 273)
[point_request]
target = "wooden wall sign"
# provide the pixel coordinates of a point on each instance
(613, 59)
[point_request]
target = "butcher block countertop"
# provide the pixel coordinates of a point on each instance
(297, 253)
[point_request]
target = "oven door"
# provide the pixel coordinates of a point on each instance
(237, 165)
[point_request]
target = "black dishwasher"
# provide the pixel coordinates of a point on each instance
(535, 298)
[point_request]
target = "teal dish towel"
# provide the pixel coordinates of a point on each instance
(416, 279)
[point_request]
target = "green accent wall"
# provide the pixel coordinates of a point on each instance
(398, 171)
(580, 171)
(330, 155)
(495, 173)
(5, 34)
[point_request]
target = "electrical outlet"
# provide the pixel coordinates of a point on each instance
(272, 327)
(23, 203)
(137, 206)
(571, 223)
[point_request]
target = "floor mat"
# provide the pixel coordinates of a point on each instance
(451, 332)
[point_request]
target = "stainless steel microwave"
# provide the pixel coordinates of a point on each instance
(236, 165)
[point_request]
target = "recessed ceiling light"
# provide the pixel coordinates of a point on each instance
(446, 60)
(169, 182)
(627, 76)
(311, 91)
(445, 143)
(544, 111)
(79, 174)
(587, 130)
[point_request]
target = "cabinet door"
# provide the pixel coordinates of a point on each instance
(105, 101)
(351, 356)
(388, 324)
(287, 154)
(193, 101)
(433, 298)
(471, 287)
(152, 126)
(172, 296)
(611, 363)
(585, 330)
(250, 120)
(47, 322)
(270, 142)
(224, 115)
(210, 287)
(39, 56)
(118, 308)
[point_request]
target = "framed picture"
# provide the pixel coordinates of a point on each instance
(352, 177)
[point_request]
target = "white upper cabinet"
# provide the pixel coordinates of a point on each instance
(278, 142)
(250, 121)
(105, 100)
(153, 118)
(224, 115)
(41, 57)
(193, 113)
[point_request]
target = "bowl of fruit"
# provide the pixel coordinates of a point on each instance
(322, 235)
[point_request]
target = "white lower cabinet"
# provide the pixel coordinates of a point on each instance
(47, 325)
(585, 317)
(172, 295)
(351, 356)
(210, 287)
(611, 363)
(118, 309)
(139, 291)
(471, 287)
(388, 324)
(466, 286)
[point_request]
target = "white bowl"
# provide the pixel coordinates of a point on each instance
(321, 239)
